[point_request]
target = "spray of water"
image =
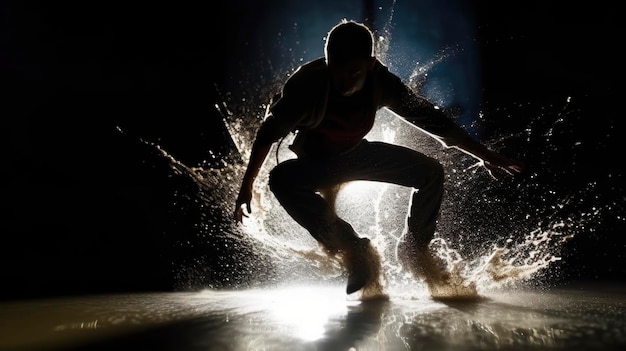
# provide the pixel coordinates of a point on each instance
(490, 235)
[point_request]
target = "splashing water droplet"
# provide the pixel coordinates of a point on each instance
(484, 241)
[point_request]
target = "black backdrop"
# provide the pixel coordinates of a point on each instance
(88, 207)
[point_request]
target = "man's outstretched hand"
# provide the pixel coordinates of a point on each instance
(244, 198)
(499, 166)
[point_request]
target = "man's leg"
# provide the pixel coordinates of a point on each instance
(403, 166)
(377, 161)
(297, 185)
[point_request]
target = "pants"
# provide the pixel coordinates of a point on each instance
(296, 184)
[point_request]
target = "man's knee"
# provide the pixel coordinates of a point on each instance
(429, 174)
(285, 178)
(277, 180)
(438, 173)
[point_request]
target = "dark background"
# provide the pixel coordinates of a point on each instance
(90, 206)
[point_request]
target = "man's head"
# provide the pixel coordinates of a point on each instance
(349, 55)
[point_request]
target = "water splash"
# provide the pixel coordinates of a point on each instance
(490, 235)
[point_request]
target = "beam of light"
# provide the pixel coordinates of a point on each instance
(305, 310)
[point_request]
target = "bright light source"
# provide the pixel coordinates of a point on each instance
(307, 310)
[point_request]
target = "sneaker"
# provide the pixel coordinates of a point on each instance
(356, 262)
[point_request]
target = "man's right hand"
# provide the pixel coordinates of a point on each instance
(244, 198)
(257, 157)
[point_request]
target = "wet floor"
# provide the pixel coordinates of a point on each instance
(585, 317)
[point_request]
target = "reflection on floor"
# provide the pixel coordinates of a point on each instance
(319, 318)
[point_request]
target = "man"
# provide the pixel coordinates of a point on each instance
(331, 103)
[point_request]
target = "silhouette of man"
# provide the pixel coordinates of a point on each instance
(331, 104)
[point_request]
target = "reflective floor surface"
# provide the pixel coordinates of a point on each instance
(585, 317)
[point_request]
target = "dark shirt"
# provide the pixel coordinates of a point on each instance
(308, 106)
(346, 122)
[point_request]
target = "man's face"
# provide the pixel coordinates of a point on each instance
(349, 78)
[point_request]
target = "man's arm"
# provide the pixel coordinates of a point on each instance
(272, 129)
(454, 136)
(423, 114)
(260, 149)
(496, 164)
